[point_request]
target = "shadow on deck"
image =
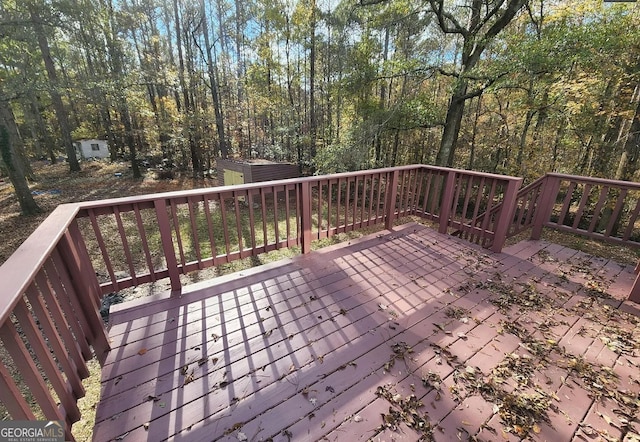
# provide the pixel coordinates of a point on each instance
(534, 341)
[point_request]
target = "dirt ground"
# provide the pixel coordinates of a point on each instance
(55, 185)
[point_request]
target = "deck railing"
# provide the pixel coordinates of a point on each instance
(605, 210)
(49, 316)
(144, 239)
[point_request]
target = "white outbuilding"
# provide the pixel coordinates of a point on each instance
(87, 149)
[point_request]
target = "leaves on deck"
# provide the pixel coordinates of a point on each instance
(142, 351)
(400, 350)
(456, 312)
(525, 296)
(431, 380)
(235, 427)
(404, 410)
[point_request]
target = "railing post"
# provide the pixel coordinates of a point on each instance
(634, 295)
(505, 216)
(447, 201)
(305, 215)
(167, 246)
(390, 203)
(545, 204)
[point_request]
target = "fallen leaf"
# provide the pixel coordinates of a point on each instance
(242, 436)
(606, 418)
(215, 337)
(142, 351)
(145, 426)
(202, 361)
(357, 418)
(223, 384)
(330, 389)
(214, 361)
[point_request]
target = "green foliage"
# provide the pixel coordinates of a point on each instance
(347, 156)
(557, 86)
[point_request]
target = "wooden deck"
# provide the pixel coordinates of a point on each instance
(331, 346)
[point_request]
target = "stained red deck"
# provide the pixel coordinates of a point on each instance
(297, 350)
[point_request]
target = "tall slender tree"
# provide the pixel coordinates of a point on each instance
(56, 98)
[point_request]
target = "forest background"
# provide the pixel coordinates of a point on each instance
(507, 86)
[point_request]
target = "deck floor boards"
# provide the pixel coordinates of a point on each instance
(319, 347)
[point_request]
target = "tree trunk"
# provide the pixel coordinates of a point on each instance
(42, 127)
(188, 107)
(312, 83)
(475, 41)
(58, 105)
(452, 125)
(474, 134)
(631, 151)
(213, 84)
(9, 142)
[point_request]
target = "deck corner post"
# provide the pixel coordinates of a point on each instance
(305, 215)
(391, 200)
(505, 216)
(634, 295)
(167, 246)
(447, 201)
(83, 279)
(545, 204)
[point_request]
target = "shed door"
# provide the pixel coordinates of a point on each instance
(232, 177)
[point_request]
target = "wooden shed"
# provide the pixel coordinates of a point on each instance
(252, 171)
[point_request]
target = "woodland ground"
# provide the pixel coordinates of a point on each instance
(98, 180)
